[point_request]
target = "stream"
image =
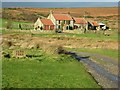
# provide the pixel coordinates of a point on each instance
(112, 79)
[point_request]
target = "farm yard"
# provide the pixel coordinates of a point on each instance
(40, 65)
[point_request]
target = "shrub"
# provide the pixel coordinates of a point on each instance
(60, 50)
(9, 24)
(37, 46)
(7, 56)
(9, 43)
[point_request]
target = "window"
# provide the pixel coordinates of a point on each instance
(59, 21)
(68, 22)
(59, 27)
(64, 22)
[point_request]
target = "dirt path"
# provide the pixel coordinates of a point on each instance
(103, 75)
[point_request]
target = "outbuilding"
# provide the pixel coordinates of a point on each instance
(80, 23)
(103, 26)
(93, 25)
(44, 24)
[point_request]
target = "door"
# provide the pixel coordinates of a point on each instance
(52, 27)
(46, 27)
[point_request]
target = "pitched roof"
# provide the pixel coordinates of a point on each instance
(95, 23)
(46, 21)
(101, 24)
(80, 21)
(62, 17)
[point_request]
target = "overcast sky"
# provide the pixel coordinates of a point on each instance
(59, 0)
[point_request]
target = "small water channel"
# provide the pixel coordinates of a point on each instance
(98, 69)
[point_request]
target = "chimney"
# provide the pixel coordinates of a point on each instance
(69, 13)
(51, 12)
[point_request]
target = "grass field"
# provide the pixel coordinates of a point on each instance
(45, 71)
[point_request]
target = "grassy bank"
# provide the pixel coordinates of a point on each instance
(106, 52)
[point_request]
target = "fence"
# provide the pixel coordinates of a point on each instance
(22, 26)
(19, 53)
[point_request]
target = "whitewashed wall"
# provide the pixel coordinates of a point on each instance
(38, 23)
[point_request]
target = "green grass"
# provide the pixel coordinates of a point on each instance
(14, 23)
(97, 36)
(0, 22)
(45, 72)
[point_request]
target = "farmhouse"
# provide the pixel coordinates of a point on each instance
(45, 24)
(80, 23)
(63, 21)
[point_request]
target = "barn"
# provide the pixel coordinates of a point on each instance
(44, 24)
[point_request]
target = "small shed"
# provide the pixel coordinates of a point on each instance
(44, 24)
(103, 26)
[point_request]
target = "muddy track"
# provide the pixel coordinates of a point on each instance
(104, 77)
